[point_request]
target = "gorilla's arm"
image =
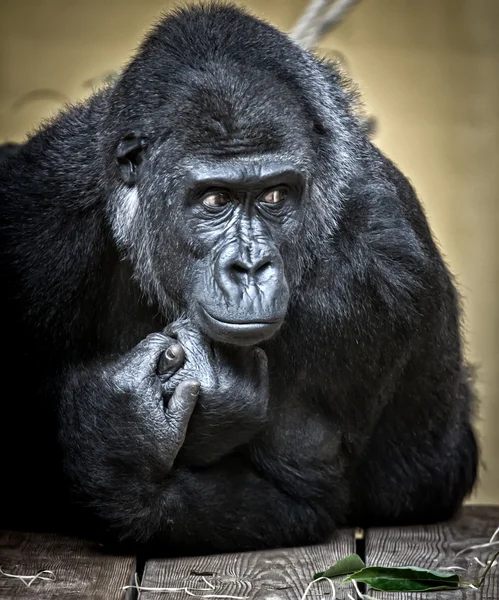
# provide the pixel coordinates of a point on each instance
(120, 444)
(232, 506)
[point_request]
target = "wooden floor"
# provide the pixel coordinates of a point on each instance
(77, 569)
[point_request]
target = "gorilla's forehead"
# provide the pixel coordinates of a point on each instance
(226, 109)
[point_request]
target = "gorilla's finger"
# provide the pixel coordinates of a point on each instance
(261, 362)
(171, 360)
(181, 405)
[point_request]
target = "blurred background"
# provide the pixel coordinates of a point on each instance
(428, 72)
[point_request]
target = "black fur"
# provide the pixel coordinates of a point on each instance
(367, 415)
(8, 149)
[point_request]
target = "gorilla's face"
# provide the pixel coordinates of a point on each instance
(240, 214)
(213, 210)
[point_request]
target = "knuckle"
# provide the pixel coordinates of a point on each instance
(155, 342)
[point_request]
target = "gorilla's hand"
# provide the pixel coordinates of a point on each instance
(233, 399)
(120, 432)
(142, 375)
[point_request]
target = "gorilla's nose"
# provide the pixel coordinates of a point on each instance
(258, 267)
(244, 270)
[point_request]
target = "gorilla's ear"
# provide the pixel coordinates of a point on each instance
(129, 155)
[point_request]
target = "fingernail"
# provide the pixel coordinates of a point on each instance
(195, 389)
(170, 353)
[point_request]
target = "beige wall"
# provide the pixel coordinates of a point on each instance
(429, 72)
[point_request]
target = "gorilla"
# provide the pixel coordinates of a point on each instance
(227, 323)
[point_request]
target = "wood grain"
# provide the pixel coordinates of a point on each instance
(271, 575)
(81, 569)
(435, 546)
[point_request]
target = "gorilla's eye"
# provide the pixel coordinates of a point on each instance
(275, 196)
(216, 199)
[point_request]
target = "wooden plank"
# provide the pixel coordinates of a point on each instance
(436, 546)
(281, 574)
(81, 569)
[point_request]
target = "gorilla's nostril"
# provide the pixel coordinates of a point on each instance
(239, 268)
(262, 267)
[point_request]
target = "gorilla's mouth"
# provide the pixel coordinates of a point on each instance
(239, 332)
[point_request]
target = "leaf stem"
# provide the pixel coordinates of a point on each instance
(487, 569)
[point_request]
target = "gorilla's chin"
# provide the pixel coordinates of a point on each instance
(238, 333)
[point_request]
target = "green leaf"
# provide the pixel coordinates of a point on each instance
(405, 579)
(345, 566)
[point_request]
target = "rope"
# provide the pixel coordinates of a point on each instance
(320, 17)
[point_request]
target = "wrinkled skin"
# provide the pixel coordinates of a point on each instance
(137, 376)
(235, 376)
(244, 269)
(228, 324)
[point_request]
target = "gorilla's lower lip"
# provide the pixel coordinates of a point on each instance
(237, 323)
(239, 332)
